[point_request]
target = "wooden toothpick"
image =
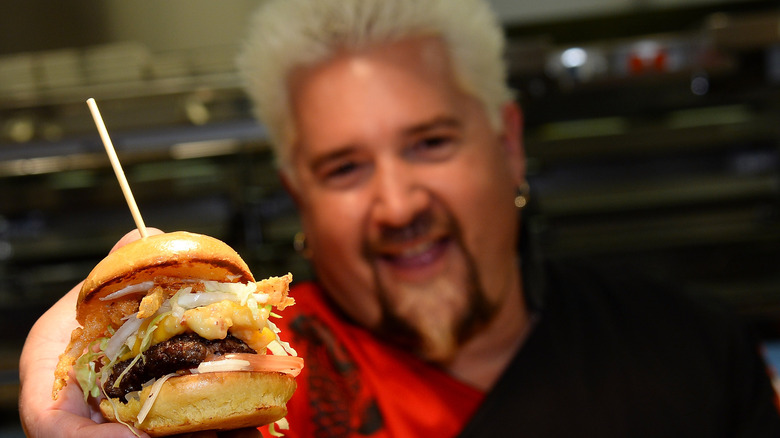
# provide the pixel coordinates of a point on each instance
(120, 174)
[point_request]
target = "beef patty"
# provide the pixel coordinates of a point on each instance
(181, 352)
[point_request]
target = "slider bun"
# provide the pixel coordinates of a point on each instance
(210, 401)
(178, 254)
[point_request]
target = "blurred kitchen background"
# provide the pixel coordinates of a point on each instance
(652, 129)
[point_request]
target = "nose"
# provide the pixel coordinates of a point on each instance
(399, 194)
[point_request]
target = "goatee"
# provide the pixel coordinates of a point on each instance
(436, 318)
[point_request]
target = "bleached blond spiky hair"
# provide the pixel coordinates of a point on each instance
(286, 34)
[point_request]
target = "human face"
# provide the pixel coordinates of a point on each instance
(405, 192)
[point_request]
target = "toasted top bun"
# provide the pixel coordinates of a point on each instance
(178, 254)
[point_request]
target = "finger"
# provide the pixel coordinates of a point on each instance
(60, 424)
(133, 236)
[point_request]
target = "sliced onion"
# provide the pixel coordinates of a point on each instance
(129, 290)
(254, 362)
(191, 301)
(214, 366)
(129, 328)
(153, 393)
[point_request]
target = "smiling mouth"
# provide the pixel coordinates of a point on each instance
(419, 255)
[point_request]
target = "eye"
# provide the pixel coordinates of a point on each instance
(341, 170)
(433, 142)
(341, 173)
(433, 147)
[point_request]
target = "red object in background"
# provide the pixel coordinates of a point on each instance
(648, 58)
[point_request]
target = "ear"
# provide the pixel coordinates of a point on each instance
(512, 139)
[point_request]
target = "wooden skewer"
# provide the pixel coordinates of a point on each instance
(120, 174)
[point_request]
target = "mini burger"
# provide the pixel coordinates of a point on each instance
(175, 337)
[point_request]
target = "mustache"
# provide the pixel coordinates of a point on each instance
(421, 224)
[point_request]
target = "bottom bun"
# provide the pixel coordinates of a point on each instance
(209, 401)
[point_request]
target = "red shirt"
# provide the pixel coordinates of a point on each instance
(354, 385)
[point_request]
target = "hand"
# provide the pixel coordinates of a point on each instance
(69, 415)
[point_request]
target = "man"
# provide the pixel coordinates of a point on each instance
(399, 141)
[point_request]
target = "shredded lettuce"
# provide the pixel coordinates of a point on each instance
(281, 424)
(154, 391)
(146, 342)
(120, 337)
(272, 430)
(85, 368)
(116, 413)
